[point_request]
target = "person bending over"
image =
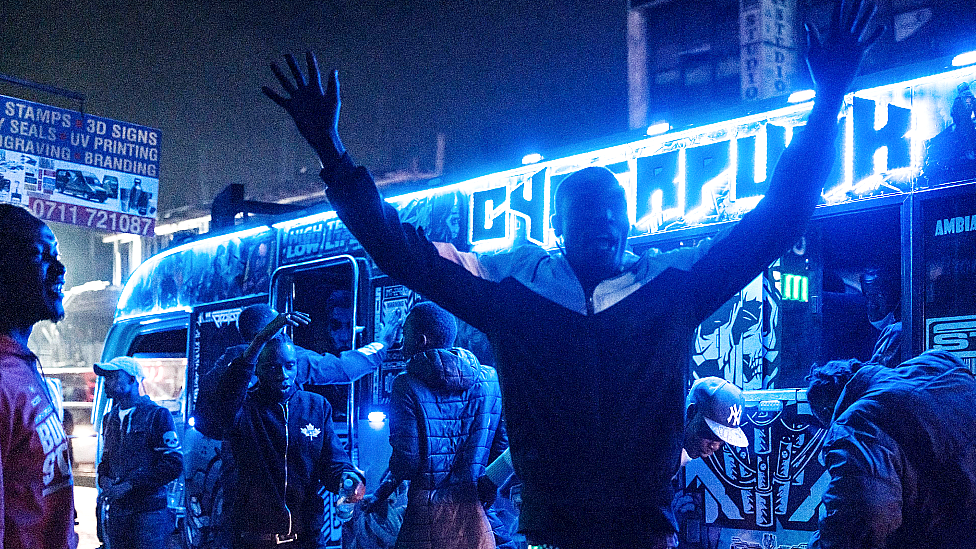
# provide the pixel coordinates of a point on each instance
(901, 453)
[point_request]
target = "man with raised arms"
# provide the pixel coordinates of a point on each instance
(591, 341)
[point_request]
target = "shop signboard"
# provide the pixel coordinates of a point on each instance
(80, 169)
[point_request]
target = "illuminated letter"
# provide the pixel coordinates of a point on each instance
(531, 205)
(867, 140)
(488, 224)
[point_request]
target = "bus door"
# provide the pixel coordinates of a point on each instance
(334, 292)
(207, 467)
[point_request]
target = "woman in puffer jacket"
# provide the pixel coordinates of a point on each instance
(445, 427)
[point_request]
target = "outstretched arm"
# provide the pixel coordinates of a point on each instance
(401, 250)
(794, 190)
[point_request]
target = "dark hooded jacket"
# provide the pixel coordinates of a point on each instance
(285, 450)
(589, 379)
(901, 452)
(445, 427)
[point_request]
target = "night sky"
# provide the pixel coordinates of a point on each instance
(500, 79)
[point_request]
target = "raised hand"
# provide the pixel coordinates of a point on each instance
(267, 333)
(392, 329)
(315, 112)
(834, 60)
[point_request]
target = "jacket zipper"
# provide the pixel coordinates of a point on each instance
(284, 409)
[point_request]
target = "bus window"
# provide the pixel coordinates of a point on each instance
(328, 292)
(840, 292)
(162, 356)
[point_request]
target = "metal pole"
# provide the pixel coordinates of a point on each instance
(46, 88)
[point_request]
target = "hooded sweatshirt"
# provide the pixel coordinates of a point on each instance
(901, 452)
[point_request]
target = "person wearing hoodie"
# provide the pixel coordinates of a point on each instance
(901, 453)
(282, 441)
(445, 428)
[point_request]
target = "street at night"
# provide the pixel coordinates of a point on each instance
(635, 274)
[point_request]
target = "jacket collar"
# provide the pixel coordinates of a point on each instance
(10, 346)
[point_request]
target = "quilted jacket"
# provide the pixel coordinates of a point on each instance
(901, 452)
(445, 427)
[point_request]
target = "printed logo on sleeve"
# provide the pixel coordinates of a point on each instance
(57, 468)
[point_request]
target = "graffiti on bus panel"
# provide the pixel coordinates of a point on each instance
(750, 495)
(738, 341)
(224, 268)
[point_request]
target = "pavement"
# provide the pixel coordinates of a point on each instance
(85, 507)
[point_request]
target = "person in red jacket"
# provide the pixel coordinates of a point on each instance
(35, 473)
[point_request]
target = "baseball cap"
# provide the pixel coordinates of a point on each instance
(721, 405)
(126, 364)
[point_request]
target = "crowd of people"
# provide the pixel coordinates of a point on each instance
(582, 336)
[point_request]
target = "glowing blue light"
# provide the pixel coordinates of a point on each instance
(801, 96)
(658, 128)
(144, 271)
(964, 59)
(192, 421)
(377, 420)
(531, 158)
(308, 219)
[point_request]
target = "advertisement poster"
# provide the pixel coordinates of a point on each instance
(79, 169)
(948, 239)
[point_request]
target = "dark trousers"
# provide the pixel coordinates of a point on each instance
(139, 530)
